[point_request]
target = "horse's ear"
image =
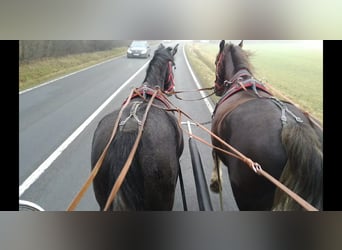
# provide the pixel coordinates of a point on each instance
(241, 44)
(161, 46)
(174, 50)
(222, 45)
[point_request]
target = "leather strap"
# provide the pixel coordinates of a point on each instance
(129, 160)
(98, 164)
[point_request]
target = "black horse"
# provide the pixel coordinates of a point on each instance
(151, 180)
(285, 141)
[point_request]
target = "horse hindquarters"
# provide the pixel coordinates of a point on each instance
(159, 153)
(100, 139)
(252, 128)
(112, 164)
(160, 179)
(304, 169)
(151, 180)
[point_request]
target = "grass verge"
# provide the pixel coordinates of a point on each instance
(39, 71)
(291, 72)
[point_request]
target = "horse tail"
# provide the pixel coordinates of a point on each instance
(130, 194)
(303, 170)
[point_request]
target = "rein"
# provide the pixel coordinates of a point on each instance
(235, 153)
(171, 91)
(253, 165)
(182, 91)
(142, 92)
(99, 162)
(243, 84)
(129, 160)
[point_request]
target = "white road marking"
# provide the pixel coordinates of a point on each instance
(210, 107)
(47, 163)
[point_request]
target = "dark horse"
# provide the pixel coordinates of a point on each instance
(286, 142)
(151, 179)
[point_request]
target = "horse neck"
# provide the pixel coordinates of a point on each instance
(155, 77)
(233, 66)
(230, 69)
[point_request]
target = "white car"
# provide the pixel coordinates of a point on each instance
(139, 49)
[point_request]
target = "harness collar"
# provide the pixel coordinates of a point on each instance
(241, 81)
(240, 74)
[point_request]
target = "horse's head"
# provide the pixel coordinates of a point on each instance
(230, 59)
(160, 70)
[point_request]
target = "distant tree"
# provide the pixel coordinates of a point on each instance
(34, 49)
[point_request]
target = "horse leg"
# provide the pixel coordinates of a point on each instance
(215, 182)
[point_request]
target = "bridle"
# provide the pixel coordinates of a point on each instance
(144, 90)
(170, 90)
(170, 83)
(221, 84)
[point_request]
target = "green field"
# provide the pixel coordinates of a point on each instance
(293, 69)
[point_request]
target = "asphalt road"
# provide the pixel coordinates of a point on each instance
(57, 122)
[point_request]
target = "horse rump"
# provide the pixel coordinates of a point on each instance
(112, 164)
(151, 180)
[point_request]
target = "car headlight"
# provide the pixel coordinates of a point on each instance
(129, 51)
(144, 51)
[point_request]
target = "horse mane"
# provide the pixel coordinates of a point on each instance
(157, 64)
(237, 59)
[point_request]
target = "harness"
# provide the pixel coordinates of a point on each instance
(129, 125)
(284, 109)
(145, 91)
(243, 80)
(240, 81)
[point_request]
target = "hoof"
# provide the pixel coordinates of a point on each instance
(215, 187)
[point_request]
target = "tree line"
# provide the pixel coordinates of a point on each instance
(35, 49)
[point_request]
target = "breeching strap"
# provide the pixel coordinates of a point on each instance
(129, 160)
(290, 101)
(93, 173)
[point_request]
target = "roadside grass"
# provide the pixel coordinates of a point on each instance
(291, 71)
(39, 71)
